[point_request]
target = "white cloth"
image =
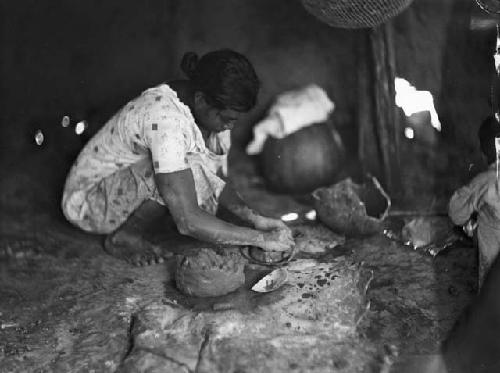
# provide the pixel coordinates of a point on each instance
(291, 111)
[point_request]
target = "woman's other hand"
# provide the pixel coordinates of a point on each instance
(277, 240)
(269, 224)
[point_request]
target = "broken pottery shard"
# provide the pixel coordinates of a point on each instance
(353, 209)
(210, 273)
(271, 281)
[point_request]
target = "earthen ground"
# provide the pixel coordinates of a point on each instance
(65, 305)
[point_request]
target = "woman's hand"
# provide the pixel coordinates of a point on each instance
(269, 224)
(274, 230)
(277, 240)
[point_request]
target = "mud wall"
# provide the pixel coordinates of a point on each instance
(69, 57)
(85, 59)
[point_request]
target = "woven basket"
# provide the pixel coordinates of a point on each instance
(490, 6)
(355, 13)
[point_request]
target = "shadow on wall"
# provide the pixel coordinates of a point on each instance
(77, 58)
(82, 59)
(438, 51)
(467, 67)
(464, 99)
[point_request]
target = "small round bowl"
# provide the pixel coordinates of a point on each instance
(269, 258)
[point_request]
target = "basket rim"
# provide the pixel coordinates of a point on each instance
(355, 13)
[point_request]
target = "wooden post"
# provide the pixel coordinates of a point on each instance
(364, 105)
(395, 120)
(378, 108)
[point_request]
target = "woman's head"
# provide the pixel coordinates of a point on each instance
(225, 85)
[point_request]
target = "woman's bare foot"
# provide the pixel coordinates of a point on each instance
(134, 249)
(128, 242)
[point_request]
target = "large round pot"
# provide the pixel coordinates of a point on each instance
(303, 160)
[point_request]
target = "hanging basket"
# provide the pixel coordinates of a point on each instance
(490, 6)
(355, 13)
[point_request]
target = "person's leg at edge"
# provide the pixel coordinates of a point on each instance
(136, 239)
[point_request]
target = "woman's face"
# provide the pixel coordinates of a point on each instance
(214, 119)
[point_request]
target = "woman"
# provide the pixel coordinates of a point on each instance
(169, 147)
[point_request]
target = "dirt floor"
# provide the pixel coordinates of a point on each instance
(65, 305)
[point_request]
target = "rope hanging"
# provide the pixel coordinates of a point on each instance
(355, 13)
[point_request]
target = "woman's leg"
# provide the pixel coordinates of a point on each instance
(135, 190)
(132, 240)
(122, 205)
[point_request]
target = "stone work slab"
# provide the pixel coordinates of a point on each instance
(310, 326)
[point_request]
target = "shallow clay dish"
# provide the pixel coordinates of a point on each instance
(271, 281)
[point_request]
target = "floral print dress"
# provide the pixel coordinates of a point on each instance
(153, 133)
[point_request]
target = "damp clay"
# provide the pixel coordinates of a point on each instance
(353, 209)
(210, 272)
(268, 257)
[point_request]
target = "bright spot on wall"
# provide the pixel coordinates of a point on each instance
(480, 22)
(413, 101)
(409, 133)
(65, 121)
(39, 137)
(311, 215)
(81, 127)
(291, 216)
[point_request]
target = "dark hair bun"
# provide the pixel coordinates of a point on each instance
(189, 63)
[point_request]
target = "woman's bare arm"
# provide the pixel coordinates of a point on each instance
(178, 191)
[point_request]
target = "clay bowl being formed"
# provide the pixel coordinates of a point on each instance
(260, 256)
